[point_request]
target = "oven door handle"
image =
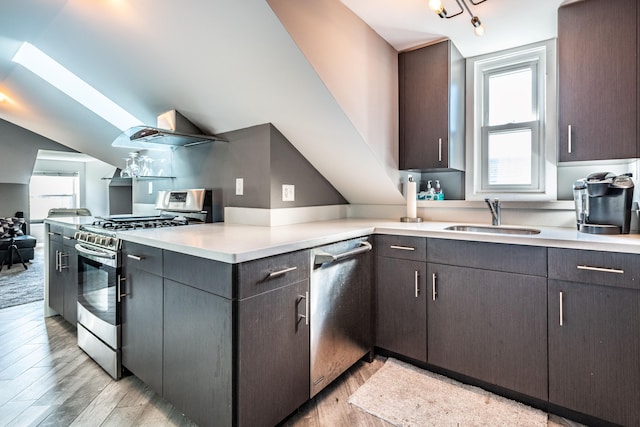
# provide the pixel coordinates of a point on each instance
(99, 254)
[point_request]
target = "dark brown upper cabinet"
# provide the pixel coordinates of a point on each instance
(597, 80)
(431, 95)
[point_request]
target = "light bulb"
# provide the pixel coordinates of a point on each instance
(438, 8)
(477, 26)
(436, 5)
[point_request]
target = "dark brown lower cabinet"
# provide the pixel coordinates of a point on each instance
(70, 263)
(401, 307)
(594, 348)
(63, 274)
(198, 354)
(273, 355)
(489, 325)
(142, 325)
(56, 277)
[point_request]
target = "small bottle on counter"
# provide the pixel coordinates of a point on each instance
(439, 194)
(430, 191)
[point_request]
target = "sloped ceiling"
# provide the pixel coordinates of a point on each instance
(224, 64)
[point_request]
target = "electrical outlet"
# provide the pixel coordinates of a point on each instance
(288, 192)
(239, 186)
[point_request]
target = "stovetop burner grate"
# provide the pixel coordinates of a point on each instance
(132, 223)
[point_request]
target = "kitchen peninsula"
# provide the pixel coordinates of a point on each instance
(205, 285)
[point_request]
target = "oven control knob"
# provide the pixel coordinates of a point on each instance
(91, 238)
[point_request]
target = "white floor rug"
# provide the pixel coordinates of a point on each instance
(406, 396)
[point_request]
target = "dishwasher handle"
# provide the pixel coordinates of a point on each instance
(324, 257)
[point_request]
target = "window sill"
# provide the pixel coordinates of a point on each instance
(561, 205)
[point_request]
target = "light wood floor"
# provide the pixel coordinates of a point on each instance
(46, 380)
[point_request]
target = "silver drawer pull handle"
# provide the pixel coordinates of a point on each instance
(402, 248)
(601, 269)
(135, 257)
(569, 139)
(561, 308)
(67, 238)
(305, 316)
(416, 276)
(281, 272)
(119, 293)
(434, 279)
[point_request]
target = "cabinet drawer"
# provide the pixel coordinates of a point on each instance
(201, 273)
(265, 274)
(405, 247)
(595, 267)
(521, 259)
(142, 257)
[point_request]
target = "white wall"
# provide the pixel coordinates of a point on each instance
(360, 70)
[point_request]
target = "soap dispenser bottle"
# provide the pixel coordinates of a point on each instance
(439, 194)
(430, 192)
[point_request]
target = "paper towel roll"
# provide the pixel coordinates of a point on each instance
(411, 198)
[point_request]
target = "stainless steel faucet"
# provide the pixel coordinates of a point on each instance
(494, 207)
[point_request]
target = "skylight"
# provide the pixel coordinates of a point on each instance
(58, 76)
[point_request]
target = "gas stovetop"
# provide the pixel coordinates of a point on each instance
(102, 232)
(130, 222)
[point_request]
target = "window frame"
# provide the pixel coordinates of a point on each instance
(541, 57)
(74, 196)
(536, 172)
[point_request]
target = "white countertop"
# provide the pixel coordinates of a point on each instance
(73, 221)
(234, 243)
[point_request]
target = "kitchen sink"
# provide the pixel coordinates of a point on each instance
(493, 229)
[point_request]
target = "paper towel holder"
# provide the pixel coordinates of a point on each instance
(411, 202)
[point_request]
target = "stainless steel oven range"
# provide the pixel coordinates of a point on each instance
(99, 294)
(101, 286)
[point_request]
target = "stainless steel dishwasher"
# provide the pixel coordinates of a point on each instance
(340, 309)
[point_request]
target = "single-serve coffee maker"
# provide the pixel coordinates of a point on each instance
(603, 203)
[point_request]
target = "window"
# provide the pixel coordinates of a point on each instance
(52, 190)
(511, 149)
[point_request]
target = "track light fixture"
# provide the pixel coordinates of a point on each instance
(438, 8)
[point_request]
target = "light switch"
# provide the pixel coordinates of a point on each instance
(150, 187)
(288, 192)
(239, 186)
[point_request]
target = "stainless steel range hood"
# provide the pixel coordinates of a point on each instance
(173, 130)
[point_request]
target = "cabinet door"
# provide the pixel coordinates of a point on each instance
(197, 359)
(70, 284)
(489, 325)
(142, 322)
(424, 102)
(597, 80)
(56, 277)
(401, 307)
(273, 350)
(593, 351)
